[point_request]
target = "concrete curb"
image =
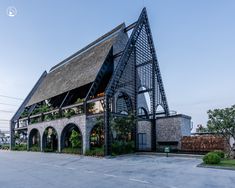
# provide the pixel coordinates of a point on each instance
(171, 154)
(202, 165)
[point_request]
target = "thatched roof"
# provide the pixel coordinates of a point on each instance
(79, 69)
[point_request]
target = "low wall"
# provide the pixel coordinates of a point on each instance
(171, 129)
(203, 143)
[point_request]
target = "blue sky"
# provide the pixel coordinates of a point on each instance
(194, 40)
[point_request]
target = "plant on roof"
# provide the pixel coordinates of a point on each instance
(34, 120)
(79, 100)
(91, 107)
(24, 113)
(69, 113)
(48, 117)
(41, 109)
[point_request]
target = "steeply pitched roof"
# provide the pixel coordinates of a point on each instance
(77, 70)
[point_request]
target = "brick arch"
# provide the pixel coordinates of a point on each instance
(67, 129)
(44, 138)
(91, 131)
(143, 113)
(122, 95)
(30, 138)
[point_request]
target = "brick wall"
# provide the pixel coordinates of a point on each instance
(203, 143)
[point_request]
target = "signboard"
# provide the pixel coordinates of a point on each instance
(167, 149)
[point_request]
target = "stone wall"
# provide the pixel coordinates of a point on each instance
(84, 124)
(170, 130)
(144, 127)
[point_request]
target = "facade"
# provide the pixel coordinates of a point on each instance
(114, 77)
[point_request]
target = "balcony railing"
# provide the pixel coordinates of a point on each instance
(94, 106)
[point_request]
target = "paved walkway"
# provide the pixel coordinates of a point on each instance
(38, 170)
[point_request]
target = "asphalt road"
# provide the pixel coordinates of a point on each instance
(47, 170)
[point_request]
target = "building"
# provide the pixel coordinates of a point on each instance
(4, 137)
(112, 77)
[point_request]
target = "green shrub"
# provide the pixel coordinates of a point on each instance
(98, 151)
(34, 148)
(220, 153)
(48, 150)
(5, 147)
(122, 147)
(211, 158)
(69, 113)
(48, 117)
(79, 100)
(24, 114)
(72, 150)
(75, 139)
(34, 120)
(56, 115)
(20, 147)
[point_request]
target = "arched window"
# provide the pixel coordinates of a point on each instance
(123, 103)
(144, 99)
(142, 112)
(66, 143)
(34, 140)
(50, 140)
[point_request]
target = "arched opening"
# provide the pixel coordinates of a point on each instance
(142, 113)
(160, 111)
(144, 99)
(71, 139)
(123, 103)
(97, 138)
(34, 140)
(50, 140)
(20, 138)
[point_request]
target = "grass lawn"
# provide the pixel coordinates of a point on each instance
(227, 163)
(224, 163)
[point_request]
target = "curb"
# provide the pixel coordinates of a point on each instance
(215, 167)
(171, 154)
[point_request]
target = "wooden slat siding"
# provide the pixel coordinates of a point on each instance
(203, 143)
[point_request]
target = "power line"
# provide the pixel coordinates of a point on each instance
(8, 104)
(16, 98)
(6, 111)
(5, 120)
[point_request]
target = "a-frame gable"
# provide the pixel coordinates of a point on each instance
(140, 44)
(137, 73)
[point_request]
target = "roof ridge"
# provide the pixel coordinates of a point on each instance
(120, 26)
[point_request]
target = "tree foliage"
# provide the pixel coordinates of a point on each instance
(123, 126)
(222, 122)
(74, 139)
(97, 133)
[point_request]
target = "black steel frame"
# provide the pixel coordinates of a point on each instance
(138, 67)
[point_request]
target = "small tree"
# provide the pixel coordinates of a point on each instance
(123, 126)
(99, 130)
(201, 129)
(222, 122)
(74, 139)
